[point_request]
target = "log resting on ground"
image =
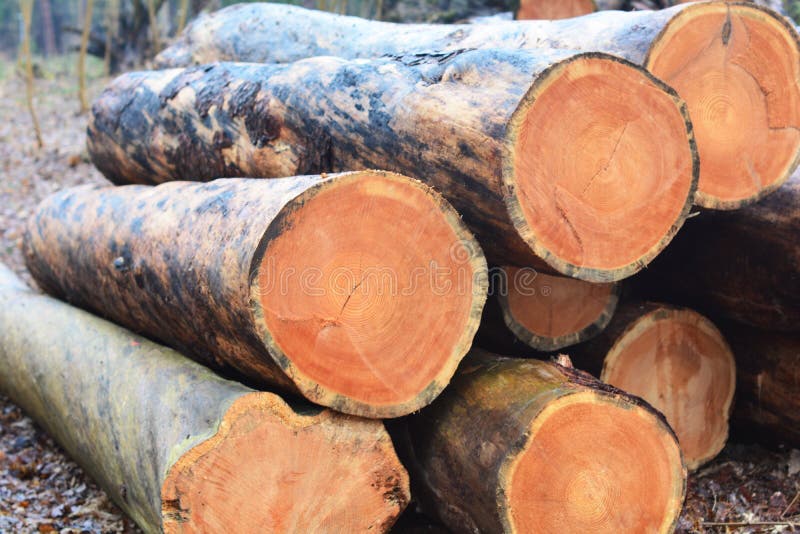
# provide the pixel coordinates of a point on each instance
(735, 64)
(527, 309)
(530, 446)
(742, 265)
(547, 164)
(675, 359)
(361, 291)
(178, 448)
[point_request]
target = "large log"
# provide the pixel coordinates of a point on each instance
(676, 360)
(537, 151)
(742, 265)
(180, 449)
(530, 446)
(361, 291)
(735, 64)
(767, 407)
(527, 310)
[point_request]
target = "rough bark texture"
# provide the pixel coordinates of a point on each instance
(180, 262)
(277, 33)
(742, 265)
(767, 407)
(135, 414)
(461, 447)
(443, 118)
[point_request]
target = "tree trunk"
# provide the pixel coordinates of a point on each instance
(48, 33)
(529, 446)
(26, 8)
(767, 407)
(743, 265)
(180, 449)
(87, 25)
(544, 312)
(322, 285)
(746, 117)
(487, 128)
(675, 359)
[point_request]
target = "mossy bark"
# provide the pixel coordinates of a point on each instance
(132, 413)
(459, 448)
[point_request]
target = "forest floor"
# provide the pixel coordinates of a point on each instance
(746, 489)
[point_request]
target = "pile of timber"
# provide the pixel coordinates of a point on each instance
(745, 117)
(293, 252)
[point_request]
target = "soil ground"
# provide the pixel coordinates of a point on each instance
(746, 489)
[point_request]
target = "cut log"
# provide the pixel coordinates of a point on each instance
(361, 291)
(564, 9)
(742, 265)
(675, 359)
(735, 64)
(767, 407)
(180, 449)
(529, 446)
(547, 164)
(554, 9)
(543, 312)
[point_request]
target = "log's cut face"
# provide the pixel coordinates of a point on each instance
(361, 282)
(737, 66)
(553, 9)
(361, 291)
(343, 465)
(592, 186)
(551, 312)
(593, 463)
(680, 363)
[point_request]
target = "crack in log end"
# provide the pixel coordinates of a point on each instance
(574, 215)
(726, 28)
(736, 66)
(605, 167)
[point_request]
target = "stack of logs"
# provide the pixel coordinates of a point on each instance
(542, 162)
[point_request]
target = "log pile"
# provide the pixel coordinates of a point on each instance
(287, 213)
(180, 449)
(745, 118)
(489, 129)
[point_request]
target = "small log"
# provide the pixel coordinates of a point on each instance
(530, 446)
(736, 65)
(491, 130)
(554, 9)
(676, 360)
(180, 449)
(767, 407)
(743, 265)
(563, 9)
(543, 312)
(361, 291)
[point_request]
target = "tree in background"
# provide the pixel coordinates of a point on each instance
(26, 7)
(87, 24)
